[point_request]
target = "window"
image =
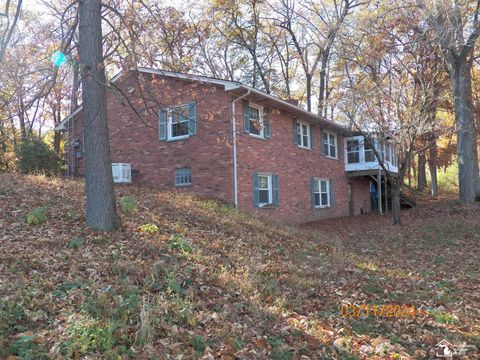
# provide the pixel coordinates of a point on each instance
(264, 190)
(394, 156)
(321, 193)
(387, 152)
(303, 135)
(255, 119)
(178, 122)
(329, 143)
(353, 152)
(183, 177)
(369, 155)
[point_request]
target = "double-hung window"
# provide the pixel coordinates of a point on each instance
(369, 155)
(303, 135)
(353, 151)
(321, 193)
(329, 143)
(256, 120)
(265, 190)
(178, 122)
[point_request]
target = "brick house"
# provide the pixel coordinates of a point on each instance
(228, 141)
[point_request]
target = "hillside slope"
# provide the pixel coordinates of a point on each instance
(190, 278)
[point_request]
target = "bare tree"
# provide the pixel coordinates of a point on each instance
(456, 28)
(391, 94)
(313, 33)
(8, 23)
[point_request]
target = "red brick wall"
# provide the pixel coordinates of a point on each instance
(209, 152)
(361, 195)
(294, 167)
(136, 141)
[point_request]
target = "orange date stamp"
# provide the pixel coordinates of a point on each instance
(384, 310)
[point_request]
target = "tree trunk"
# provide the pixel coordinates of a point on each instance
(57, 138)
(322, 85)
(432, 165)
(395, 182)
(422, 172)
(468, 177)
(14, 137)
(21, 120)
(414, 170)
(100, 211)
(309, 92)
(57, 135)
(75, 84)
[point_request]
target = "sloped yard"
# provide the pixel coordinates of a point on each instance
(185, 278)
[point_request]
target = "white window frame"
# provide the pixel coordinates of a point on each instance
(269, 189)
(329, 136)
(370, 151)
(261, 135)
(359, 146)
(327, 182)
(170, 123)
(309, 135)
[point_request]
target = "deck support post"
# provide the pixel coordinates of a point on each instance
(386, 194)
(379, 183)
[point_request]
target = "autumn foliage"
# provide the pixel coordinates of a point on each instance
(211, 282)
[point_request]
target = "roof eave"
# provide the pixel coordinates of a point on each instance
(62, 125)
(309, 115)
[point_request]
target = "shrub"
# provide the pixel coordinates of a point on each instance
(448, 178)
(128, 204)
(76, 243)
(86, 335)
(149, 228)
(34, 156)
(198, 343)
(477, 197)
(7, 161)
(37, 217)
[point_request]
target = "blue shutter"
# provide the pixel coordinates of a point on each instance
(312, 136)
(192, 118)
(330, 184)
(322, 144)
(275, 190)
(266, 119)
(312, 194)
(162, 125)
(339, 146)
(246, 116)
(255, 189)
(295, 139)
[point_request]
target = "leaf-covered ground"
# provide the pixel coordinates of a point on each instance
(185, 278)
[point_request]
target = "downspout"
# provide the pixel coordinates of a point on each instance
(234, 139)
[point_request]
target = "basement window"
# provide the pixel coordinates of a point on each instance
(183, 177)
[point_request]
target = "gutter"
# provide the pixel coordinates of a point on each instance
(306, 113)
(234, 137)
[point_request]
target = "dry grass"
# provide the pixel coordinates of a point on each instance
(215, 281)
